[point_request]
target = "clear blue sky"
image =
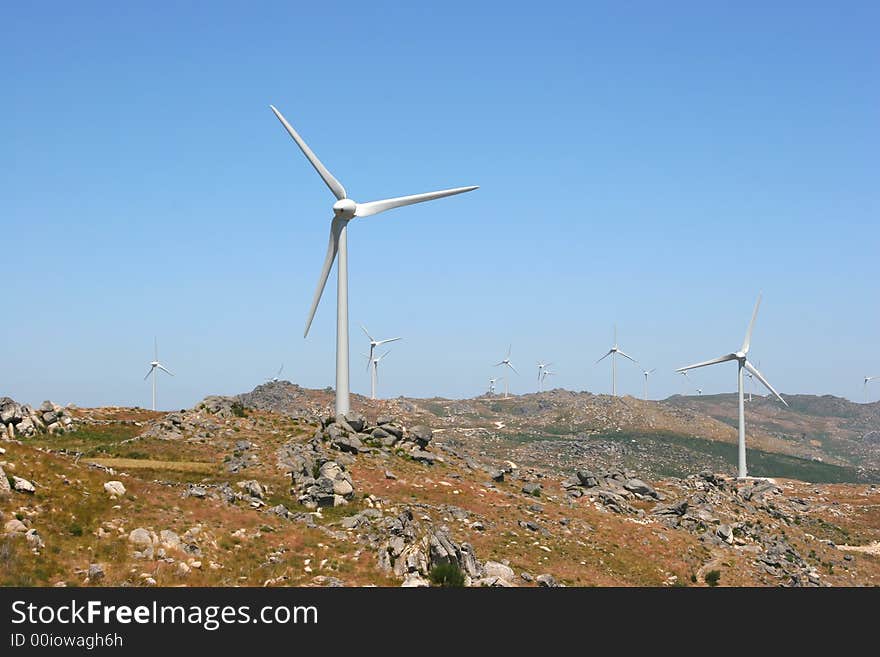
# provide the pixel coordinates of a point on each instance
(650, 164)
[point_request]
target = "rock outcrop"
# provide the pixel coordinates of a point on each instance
(23, 420)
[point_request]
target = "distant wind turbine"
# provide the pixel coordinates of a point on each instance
(376, 343)
(544, 375)
(373, 366)
(492, 386)
(274, 379)
(541, 369)
(344, 210)
(613, 353)
(741, 357)
(868, 380)
(507, 362)
(155, 365)
(647, 373)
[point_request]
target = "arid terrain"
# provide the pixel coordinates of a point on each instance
(555, 488)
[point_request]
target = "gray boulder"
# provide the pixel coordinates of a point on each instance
(498, 570)
(639, 487)
(547, 581)
(355, 420)
(422, 435)
(532, 488)
(587, 478)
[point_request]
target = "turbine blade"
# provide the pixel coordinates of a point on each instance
(332, 246)
(625, 356)
(510, 365)
(604, 357)
(497, 364)
(388, 340)
(383, 355)
(162, 367)
(375, 207)
(760, 377)
(720, 359)
(745, 346)
(334, 185)
(367, 333)
(148, 374)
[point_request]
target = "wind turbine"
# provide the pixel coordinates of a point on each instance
(613, 352)
(492, 386)
(699, 392)
(376, 343)
(741, 357)
(868, 380)
(648, 373)
(274, 379)
(541, 368)
(506, 361)
(344, 210)
(154, 366)
(544, 375)
(374, 372)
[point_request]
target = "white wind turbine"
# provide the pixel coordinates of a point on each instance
(741, 357)
(868, 380)
(373, 366)
(613, 353)
(647, 373)
(544, 375)
(542, 367)
(376, 343)
(155, 365)
(344, 210)
(274, 379)
(506, 361)
(492, 383)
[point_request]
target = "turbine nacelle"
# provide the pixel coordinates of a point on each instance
(344, 208)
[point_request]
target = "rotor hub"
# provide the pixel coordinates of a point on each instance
(344, 208)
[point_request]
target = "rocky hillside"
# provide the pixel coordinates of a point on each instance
(239, 491)
(826, 428)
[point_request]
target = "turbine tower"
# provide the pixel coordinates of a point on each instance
(373, 366)
(155, 365)
(648, 373)
(506, 361)
(542, 367)
(741, 357)
(868, 380)
(613, 353)
(344, 210)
